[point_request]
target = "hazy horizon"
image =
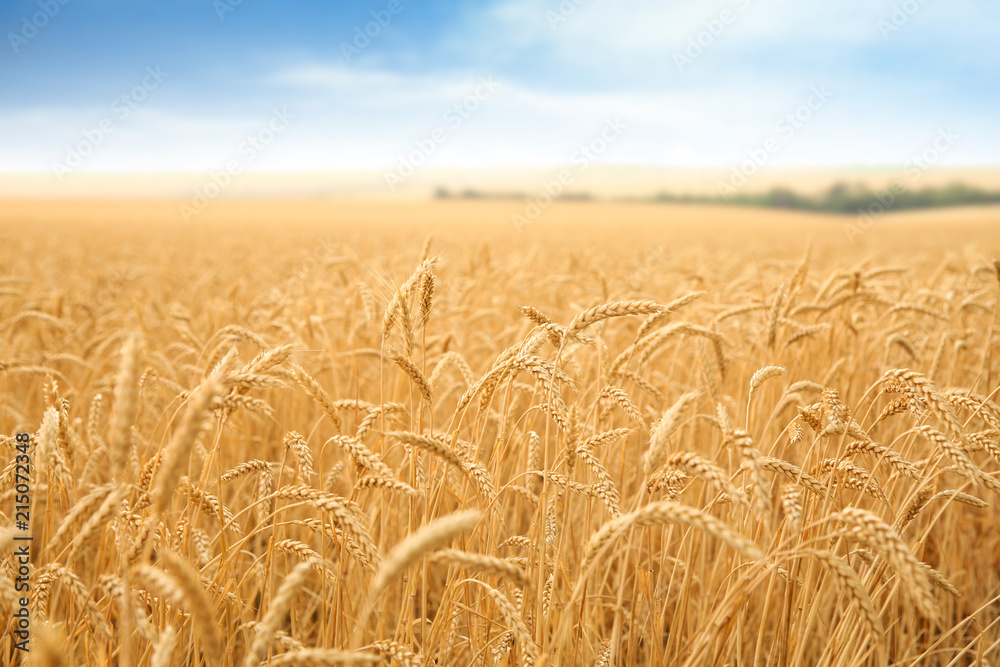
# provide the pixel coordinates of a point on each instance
(600, 182)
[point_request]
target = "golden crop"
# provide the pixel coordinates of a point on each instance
(687, 442)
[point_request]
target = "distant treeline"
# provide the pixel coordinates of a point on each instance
(840, 198)
(844, 198)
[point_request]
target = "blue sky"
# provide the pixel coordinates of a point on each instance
(892, 74)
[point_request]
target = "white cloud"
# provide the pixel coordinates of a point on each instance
(351, 119)
(602, 32)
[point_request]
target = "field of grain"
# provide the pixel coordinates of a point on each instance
(318, 433)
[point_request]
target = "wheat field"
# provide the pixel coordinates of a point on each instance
(625, 435)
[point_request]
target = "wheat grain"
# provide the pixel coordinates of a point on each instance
(482, 563)
(697, 466)
(344, 518)
(763, 375)
(776, 310)
(164, 649)
(303, 456)
(318, 394)
(622, 400)
(855, 589)
(878, 535)
(191, 426)
(660, 434)
(426, 539)
(280, 602)
(125, 406)
(663, 512)
(201, 608)
(413, 373)
(511, 617)
(608, 310)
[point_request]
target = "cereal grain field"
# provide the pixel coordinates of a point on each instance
(298, 433)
